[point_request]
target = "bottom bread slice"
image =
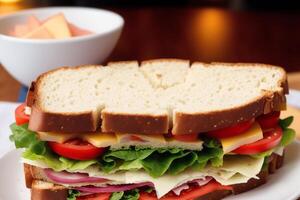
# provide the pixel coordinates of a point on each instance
(41, 189)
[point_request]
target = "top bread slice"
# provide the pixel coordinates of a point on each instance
(155, 97)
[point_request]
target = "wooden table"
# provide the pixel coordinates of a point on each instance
(198, 34)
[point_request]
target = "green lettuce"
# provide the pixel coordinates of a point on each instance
(126, 195)
(160, 161)
(72, 194)
(288, 133)
(37, 150)
(24, 138)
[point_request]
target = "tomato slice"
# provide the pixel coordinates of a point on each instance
(232, 130)
(197, 191)
(147, 196)
(271, 139)
(20, 116)
(100, 196)
(192, 193)
(191, 137)
(269, 120)
(76, 149)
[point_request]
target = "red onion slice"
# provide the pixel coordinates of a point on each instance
(69, 178)
(113, 188)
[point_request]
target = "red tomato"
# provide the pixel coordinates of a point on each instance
(76, 149)
(269, 120)
(147, 196)
(191, 137)
(192, 193)
(21, 117)
(271, 139)
(232, 130)
(197, 191)
(100, 196)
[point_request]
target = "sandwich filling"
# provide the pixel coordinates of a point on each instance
(161, 166)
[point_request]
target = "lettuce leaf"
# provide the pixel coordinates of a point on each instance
(126, 195)
(58, 163)
(158, 162)
(72, 194)
(288, 133)
(24, 138)
(39, 151)
(287, 137)
(285, 123)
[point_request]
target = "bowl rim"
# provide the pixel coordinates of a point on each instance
(65, 40)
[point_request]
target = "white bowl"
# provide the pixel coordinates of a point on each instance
(25, 59)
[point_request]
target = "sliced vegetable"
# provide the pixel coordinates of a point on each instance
(269, 120)
(232, 130)
(127, 195)
(101, 196)
(191, 137)
(271, 139)
(76, 149)
(285, 123)
(73, 194)
(192, 193)
(20, 116)
(287, 137)
(148, 196)
(113, 188)
(69, 178)
(158, 162)
(24, 138)
(58, 163)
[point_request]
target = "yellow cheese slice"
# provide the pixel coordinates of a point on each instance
(252, 135)
(97, 139)
(100, 139)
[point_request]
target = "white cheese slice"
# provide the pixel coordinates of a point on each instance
(252, 135)
(194, 145)
(236, 169)
(165, 183)
(55, 137)
(279, 151)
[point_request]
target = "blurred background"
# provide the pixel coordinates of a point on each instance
(200, 30)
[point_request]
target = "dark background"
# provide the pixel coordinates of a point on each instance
(263, 31)
(260, 31)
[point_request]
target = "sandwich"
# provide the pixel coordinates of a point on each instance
(163, 129)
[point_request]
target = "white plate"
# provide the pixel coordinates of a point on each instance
(283, 185)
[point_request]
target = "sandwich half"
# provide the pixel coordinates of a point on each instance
(163, 129)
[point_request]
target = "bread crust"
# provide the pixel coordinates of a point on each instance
(145, 124)
(54, 192)
(28, 175)
(65, 123)
(183, 123)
